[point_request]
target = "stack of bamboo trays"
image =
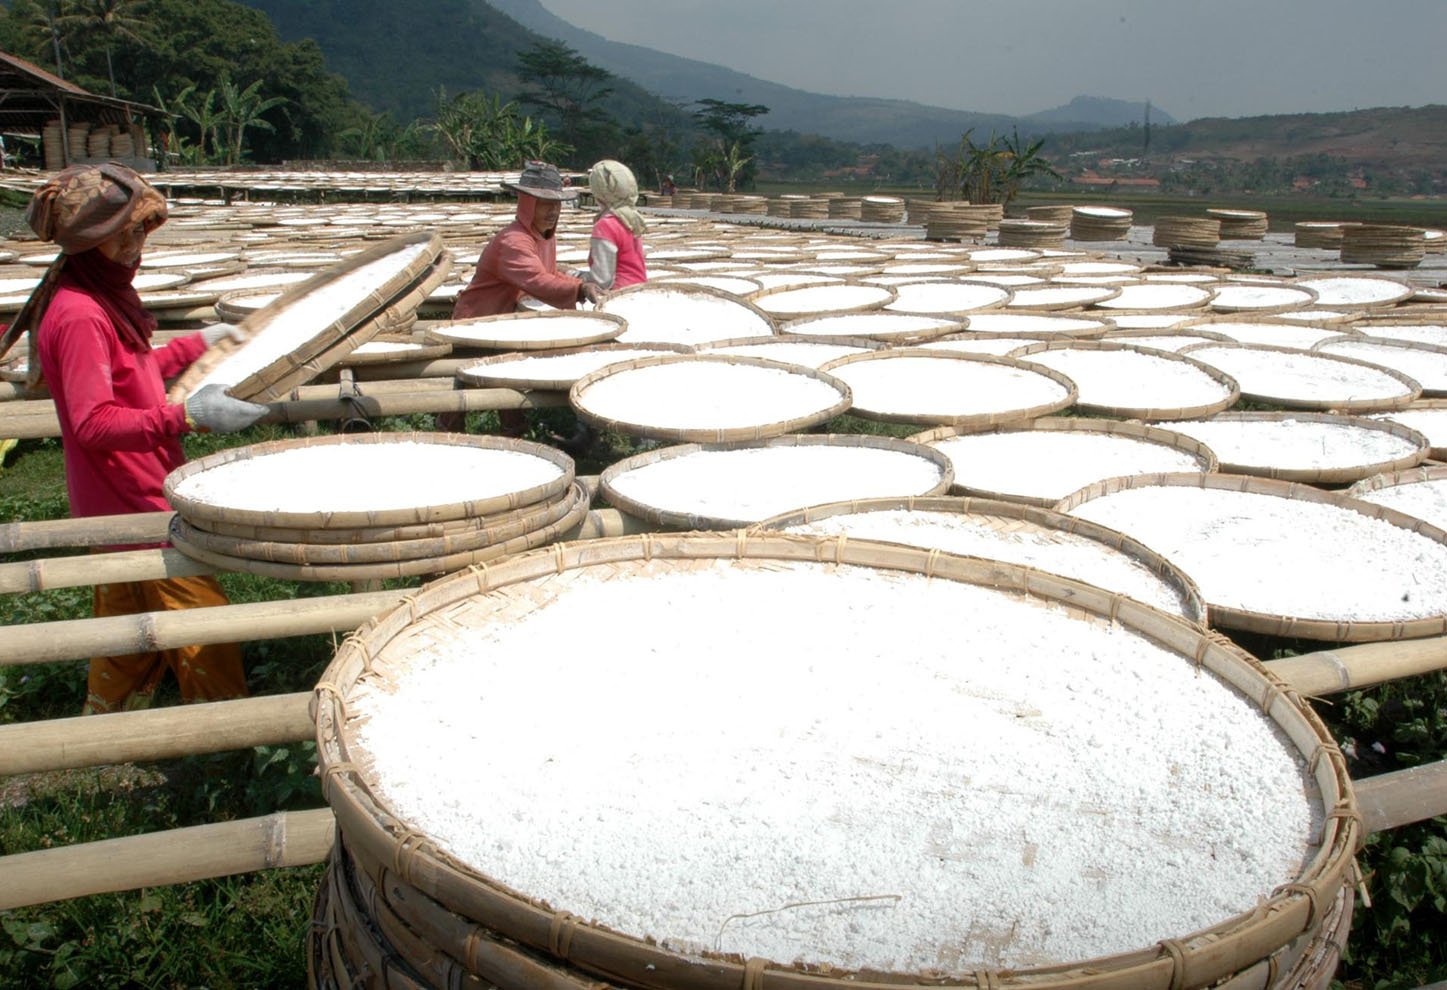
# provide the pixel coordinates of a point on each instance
(917, 209)
(743, 203)
(959, 221)
(1383, 245)
(660, 200)
(1321, 234)
(881, 209)
(1033, 233)
(778, 206)
(51, 136)
(233, 512)
(1100, 223)
(1435, 240)
(844, 208)
(1051, 214)
(1210, 257)
(1240, 225)
(1187, 232)
(809, 208)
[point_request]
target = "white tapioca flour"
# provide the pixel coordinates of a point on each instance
(1424, 500)
(675, 316)
(1281, 556)
(978, 535)
(1050, 464)
(1427, 368)
(1431, 423)
(1300, 376)
(1296, 444)
(875, 770)
(703, 394)
(365, 477)
(559, 367)
(1132, 379)
(945, 386)
(751, 484)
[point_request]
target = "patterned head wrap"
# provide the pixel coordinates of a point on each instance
(79, 209)
(616, 191)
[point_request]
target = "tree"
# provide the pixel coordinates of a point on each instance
(240, 109)
(727, 155)
(569, 90)
(36, 28)
(108, 20)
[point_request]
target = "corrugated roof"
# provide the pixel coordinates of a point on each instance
(29, 96)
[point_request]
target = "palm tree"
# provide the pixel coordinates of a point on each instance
(42, 23)
(110, 19)
(243, 108)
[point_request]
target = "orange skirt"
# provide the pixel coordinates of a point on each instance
(127, 683)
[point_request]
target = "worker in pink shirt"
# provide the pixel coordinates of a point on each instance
(91, 345)
(615, 255)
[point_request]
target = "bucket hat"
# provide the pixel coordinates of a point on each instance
(542, 180)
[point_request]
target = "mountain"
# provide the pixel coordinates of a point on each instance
(1093, 113)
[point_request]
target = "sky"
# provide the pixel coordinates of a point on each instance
(1192, 58)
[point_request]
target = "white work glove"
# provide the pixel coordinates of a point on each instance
(213, 411)
(218, 332)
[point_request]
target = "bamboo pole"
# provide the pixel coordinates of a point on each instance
(104, 568)
(1391, 800)
(157, 734)
(183, 855)
(437, 368)
(72, 639)
(1350, 667)
(85, 531)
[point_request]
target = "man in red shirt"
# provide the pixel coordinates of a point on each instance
(91, 343)
(523, 258)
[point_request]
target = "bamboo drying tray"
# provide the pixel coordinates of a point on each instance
(1394, 479)
(624, 298)
(484, 372)
(1188, 337)
(906, 335)
(783, 342)
(1334, 291)
(578, 398)
(659, 516)
(1203, 454)
(1326, 476)
(499, 530)
(373, 534)
(206, 513)
(1439, 453)
(990, 418)
(332, 341)
(1291, 333)
(405, 349)
(1256, 945)
(1056, 297)
(1384, 404)
(1233, 391)
(1010, 517)
(577, 509)
(590, 328)
(1289, 297)
(1270, 624)
(1053, 325)
(1001, 297)
(1403, 353)
(791, 303)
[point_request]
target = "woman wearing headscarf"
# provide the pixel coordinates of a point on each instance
(615, 255)
(90, 341)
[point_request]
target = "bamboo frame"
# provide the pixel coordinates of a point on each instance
(607, 327)
(1383, 404)
(475, 373)
(1233, 390)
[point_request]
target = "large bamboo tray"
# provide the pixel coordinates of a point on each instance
(1409, 393)
(1271, 624)
(331, 342)
(747, 320)
(661, 428)
(205, 512)
(1203, 455)
(1397, 355)
(988, 417)
(1122, 409)
(491, 372)
(577, 509)
(889, 328)
(1325, 475)
(543, 331)
(671, 518)
(1256, 946)
(1012, 517)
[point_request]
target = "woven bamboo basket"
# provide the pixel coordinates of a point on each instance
(579, 399)
(1100, 223)
(669, 518)
(1358, 292)
(577, 509)
(1205, 458)
(992, 417)
(1238, 225)
(1158, 297)
(1411, 390)
(1013, 517)
(1202, 232)
(205, 513)
(332, 341)
(1384, 245)
(1251, 330)
(892, 328)
(1254, 947)
(819, 301)
(915, 297)
(1397, 355)
(1057, 298)
(1243, 298)
(524, 332)
(1325, 234)
(491, 372)
(630, 303)
(819, 351)
(499, 530)
(1269, 624)
(1321, 475)
(1231, 392)
(368, 534)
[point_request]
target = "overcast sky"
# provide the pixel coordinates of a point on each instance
(1192, 58)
